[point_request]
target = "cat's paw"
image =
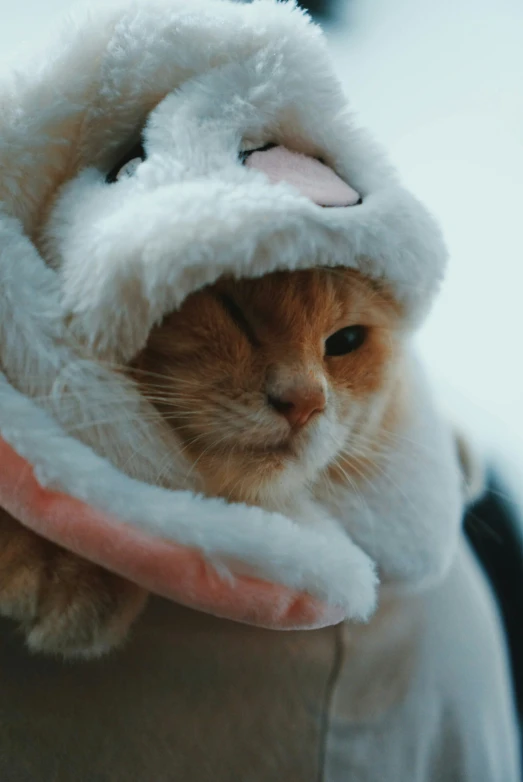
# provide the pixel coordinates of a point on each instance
(64, 605)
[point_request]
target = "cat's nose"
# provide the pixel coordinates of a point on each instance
(299, 404)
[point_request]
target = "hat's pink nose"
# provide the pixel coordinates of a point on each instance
(299, 404)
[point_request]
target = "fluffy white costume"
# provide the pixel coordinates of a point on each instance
(208, 81)
(208, 85)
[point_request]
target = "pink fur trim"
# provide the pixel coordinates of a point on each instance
(162, 567)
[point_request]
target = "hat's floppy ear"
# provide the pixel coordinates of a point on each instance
(311, 177)
(201, 84)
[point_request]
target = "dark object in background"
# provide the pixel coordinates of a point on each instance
(494, 526)
(321, 8)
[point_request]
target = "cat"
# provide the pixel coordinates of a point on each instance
(275, 388)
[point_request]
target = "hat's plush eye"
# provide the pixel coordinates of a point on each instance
(246, 153)
(345, 341)
(126, 167)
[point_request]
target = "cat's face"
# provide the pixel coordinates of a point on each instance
(267, 382)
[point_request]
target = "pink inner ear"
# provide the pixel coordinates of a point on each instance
(312, 178)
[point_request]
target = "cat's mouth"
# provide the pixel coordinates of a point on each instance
(276, 447)
(291, 446)
(286, 449)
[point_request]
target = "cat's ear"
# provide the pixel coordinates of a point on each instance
(472, 467)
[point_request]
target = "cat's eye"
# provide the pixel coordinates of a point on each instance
(345, 341)
(127, 166)
(238, 318)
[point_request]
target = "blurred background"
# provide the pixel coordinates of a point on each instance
(440, 84)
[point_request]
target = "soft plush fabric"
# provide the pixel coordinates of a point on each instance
(420, 693)
(87, 269)
(167, 568)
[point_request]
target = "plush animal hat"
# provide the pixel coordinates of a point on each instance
(239, 156)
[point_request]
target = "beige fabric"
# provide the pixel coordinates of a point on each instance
(191, 698)
(419, 695)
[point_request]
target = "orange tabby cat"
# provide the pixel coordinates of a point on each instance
(271, 386)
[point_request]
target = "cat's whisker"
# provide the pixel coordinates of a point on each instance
(388, 435)
(187, 414)
(85, 425)
(363, 501)
(385, 475)
(81, 397)
(239, 483)
(172, 401)
(338, 466)
(479, 523)
(212, 446)
(165, 464)
(146, 373)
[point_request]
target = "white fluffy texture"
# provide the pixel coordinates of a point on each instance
(210, 79)
(408, 516)
(192, 212)
(273, 546)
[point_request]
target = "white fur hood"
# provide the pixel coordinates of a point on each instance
(87, 268)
